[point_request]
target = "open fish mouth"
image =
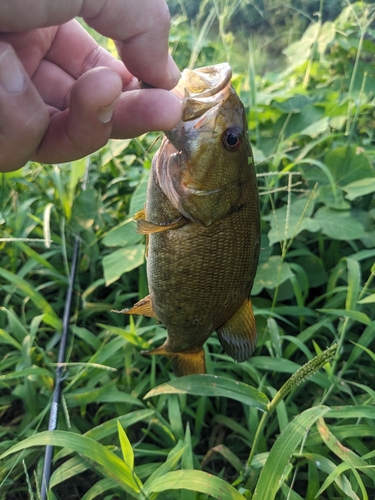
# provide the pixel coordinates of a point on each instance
(201, 89)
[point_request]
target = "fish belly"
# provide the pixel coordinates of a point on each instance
(199, 276)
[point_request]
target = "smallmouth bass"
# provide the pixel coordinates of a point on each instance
(202, 224)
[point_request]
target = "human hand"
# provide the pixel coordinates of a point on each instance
(62, 96)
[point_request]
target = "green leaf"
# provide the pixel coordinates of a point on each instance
(351, 411)
(288, 223)
(27, 372)
(122, 235)
(126, 447)
(329, 467)
(70, 468)
(370, 299)
(348, 456)
(122, 261)
(113, 149)
(130, 337)
(348, 164)
(77, 171)
(354, 315)
(339, 224)
(109, 428)
(102, 486)
(172, 462)
(335, 474)
(16, 326)
(366, 349)
(85, 209)
(270, 274)
(318, 127)
(212, 385)
(90, 449)
(194, 480)
(8, 339)
(138, 199)
(359, 188)
(282, 451)
(354, 278)
(111, 394)
(30, 292)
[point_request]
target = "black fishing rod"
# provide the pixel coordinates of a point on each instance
(59, 374)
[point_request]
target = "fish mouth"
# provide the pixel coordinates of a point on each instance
(200, 90)
(203, 82)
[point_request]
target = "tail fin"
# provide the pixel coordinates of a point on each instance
(183, 363)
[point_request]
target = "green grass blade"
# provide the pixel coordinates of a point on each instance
(8, 339)
(281, 452)
(348, 456)
(354, 315)
(349, 411)
(30, 292)
(212, 385)
(126, 334)
(98, 489)
(113, 466)
(327, 466)
(194, 480)
(333, 477)
(171, 463)
(68, 469)
(126, 447)
(354, 279)
(17, 327)
(109, 428)
(105, 394)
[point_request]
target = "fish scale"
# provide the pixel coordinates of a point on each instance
(203, 227)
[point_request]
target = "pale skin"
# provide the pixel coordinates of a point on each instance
(62, 96)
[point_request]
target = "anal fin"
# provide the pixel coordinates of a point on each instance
(144, 308)
(184, 362)
(238, 335)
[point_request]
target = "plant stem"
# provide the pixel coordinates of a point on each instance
(254, 447)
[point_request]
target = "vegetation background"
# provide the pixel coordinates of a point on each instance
(274, 426)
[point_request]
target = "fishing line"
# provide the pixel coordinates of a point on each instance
(59, 374)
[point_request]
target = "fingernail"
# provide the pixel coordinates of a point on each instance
(105, 114)
(173, 70)
(12, 77)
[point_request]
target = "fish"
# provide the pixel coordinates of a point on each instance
(202, 225)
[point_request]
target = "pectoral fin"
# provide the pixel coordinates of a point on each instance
(145, 227)
(183, 363)
(144, 308)
(238, 335)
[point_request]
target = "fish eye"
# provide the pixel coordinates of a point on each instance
(232, 138)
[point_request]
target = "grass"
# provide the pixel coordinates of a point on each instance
(296, 420)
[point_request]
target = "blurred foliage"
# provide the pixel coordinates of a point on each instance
(272, 427)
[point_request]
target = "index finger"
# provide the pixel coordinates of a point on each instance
(141, 28)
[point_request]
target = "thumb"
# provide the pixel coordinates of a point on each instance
(23, 115)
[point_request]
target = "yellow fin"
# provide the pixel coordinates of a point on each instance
(144, 308)
(183, 363)
(238, 335)
(145, 227)
(140, 215)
